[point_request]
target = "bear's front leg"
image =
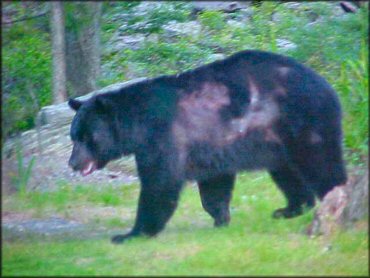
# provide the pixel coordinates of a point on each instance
(156, 206)
(161, 183)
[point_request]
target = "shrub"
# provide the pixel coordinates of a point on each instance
(26, 75)
(213, 21)
(353, 85)
(157, 58)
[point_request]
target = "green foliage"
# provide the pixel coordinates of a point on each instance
(353, 84)
(214, 21)
(125, 64)
(26, 66)
(336, 38)
(217, 35)
(76, 16)
(264, 28)
(152, 21)
(157, 58)
(112, 15)
(24, 171)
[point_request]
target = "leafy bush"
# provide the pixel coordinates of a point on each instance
(353, 84)
(26, 75)
(213, 20)
(157, 58)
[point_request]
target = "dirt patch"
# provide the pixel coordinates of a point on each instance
(43, 226)
(86, 214)
(53, 228)
(24, 225)
(9, 216)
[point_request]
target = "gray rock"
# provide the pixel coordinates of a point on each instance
(235, 23)
(216, 56)
(293, 5)
(245, 14)
(219, 5)
(284, 44)
(51, 159)
(146, 6)
(276, 17)
(153, 38)
(174, 29)
(133, 42)
(61, 114)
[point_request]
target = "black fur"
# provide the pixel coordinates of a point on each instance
(253, 110)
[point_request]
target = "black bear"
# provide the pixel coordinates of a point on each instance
(253, 110)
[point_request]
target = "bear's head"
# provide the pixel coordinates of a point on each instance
(94, 135)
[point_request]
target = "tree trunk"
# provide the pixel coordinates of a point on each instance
(83, 46)
(58, 50)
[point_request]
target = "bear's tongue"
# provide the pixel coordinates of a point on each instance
(90, 167)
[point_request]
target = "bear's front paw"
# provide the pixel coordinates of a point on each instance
(287, 213)
(119, 239)
(222, 221)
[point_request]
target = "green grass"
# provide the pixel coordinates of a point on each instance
(68, 195)
(203, 252)
(253, 244)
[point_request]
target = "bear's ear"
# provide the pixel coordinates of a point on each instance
(74, 104)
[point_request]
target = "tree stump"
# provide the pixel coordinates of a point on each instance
(342, 206)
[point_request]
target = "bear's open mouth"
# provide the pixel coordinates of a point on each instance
(89, 168)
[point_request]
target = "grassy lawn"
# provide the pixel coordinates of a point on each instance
(253, 244)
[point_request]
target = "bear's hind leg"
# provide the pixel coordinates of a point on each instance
(321, 164)
(216, 194)
(294, 189)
